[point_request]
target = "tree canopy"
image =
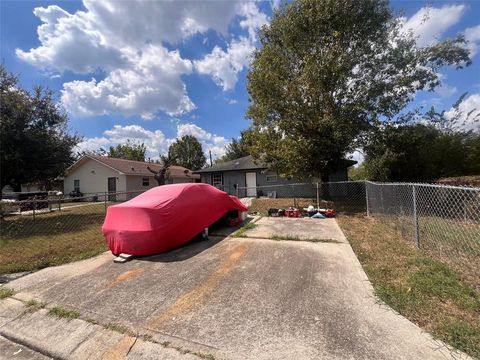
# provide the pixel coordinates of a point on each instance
(187, 152)
(129, 151)
(420, 152)
(328, 70)
(238, 148)
(35, 143)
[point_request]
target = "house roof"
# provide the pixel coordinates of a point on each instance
(132, 167)
(244, 163)
(247, 163)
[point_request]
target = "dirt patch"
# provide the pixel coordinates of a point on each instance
(125, 276)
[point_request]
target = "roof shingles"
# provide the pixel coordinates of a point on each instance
(132, 167)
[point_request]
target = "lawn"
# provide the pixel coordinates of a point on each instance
(52, 238)
(424, 290)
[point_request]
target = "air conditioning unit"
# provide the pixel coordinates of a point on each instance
(272, 194)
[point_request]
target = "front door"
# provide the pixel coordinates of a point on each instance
(251, 180)
(112, 187)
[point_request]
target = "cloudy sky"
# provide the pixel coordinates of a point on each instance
(154, 71)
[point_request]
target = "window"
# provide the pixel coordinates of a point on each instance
(217, 180)
(271, 178)
(146, 181)
(76, 185)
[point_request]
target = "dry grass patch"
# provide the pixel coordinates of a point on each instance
(51, 239)
(422, 289)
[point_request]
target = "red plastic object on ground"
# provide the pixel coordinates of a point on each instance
(165, 217)
(292, 213)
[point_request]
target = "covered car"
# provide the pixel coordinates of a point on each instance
(165, 217)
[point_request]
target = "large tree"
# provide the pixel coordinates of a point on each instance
(238, 148)
(187, 152)
(420, 152)
(35, 143)
(129, 151)
(329, 69)
(161, 175)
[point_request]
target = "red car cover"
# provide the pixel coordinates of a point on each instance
(165, 217)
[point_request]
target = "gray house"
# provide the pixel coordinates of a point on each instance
(244, 177)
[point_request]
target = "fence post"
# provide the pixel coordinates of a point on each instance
(236, 188)
(366, 198)
(415, 216)
(34, 207)
(105, 201)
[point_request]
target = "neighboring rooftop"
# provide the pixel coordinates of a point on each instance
(247, 163)
(132, 167)
(244, 163)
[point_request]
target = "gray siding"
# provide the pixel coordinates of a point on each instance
(230, 178)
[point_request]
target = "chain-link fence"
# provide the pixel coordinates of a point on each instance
(57, 218)
(443, 221)
(346, 196)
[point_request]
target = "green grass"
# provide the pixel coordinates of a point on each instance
(423, 289)
(118, 328)
(51, 239)
(5, 292)
(241, 232)
(34, 305)
(297, 238)
(63, 313)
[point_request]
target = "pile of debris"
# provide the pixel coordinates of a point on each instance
(310, 212)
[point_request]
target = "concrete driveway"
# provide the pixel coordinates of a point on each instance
(226, 298)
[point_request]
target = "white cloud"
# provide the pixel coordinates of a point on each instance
(69, 42)
(152, 84)
(254, 18)
(445, 90)
(469, 109)
(155, 141)
(429, 23)
(224, 66)
(93, 144)
(472, 35)
(124, 42)
(210, 142)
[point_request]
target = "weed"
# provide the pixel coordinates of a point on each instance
(297, 238)
(5, 292)
(63, 313)
(34, 305)
(241, 232)
(91, 321)
(118, 328)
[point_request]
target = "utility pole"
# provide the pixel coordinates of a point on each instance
(210, 153)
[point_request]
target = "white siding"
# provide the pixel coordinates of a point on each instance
(93, 178)
(135, 183)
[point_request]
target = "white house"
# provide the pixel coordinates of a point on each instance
(98, 174)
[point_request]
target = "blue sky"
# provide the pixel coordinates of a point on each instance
(155, 71)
